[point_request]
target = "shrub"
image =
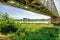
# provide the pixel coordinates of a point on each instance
(7, 24)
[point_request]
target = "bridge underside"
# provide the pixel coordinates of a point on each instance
(32, 5)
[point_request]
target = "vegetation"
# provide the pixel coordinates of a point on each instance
(17, 31)
(39, 34)
(57, 24)
(7, 24)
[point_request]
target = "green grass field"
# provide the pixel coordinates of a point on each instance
(37, 25)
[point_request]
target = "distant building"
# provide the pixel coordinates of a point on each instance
(24, 20)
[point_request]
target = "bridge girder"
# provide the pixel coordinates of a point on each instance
(31, 5)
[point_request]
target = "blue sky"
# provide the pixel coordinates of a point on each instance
(57, 2)
(17, 13)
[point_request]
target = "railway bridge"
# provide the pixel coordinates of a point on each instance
(45, 7)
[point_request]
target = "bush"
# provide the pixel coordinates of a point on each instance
(7, 24)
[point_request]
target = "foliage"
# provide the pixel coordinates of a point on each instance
(17, 31)
(38, 34)
(57, 24)
(7, 24)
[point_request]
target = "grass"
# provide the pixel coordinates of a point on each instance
(36, 25)
(34, 32)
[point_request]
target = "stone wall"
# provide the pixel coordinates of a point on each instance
(55, 20)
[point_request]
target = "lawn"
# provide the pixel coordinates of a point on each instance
(37, 25)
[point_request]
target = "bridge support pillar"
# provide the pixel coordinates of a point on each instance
(55, 20)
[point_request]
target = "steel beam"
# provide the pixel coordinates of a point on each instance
(31, 5)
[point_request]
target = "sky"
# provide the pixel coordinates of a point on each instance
(57, 3)
(17, 13)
